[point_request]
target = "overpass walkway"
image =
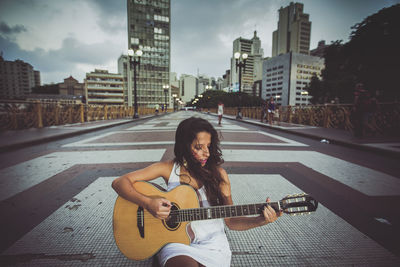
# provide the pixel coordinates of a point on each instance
(388, 145)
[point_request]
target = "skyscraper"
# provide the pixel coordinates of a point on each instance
(149, 30)
(294, 31)
(252, 47)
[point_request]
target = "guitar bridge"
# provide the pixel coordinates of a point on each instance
(140, 221)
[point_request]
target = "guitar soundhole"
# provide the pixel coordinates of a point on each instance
(172, 223)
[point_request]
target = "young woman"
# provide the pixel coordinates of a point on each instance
(220, 112)
(197, 163)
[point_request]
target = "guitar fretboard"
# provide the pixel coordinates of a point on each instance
(217, 212)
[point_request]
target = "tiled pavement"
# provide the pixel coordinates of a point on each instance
(79, 232)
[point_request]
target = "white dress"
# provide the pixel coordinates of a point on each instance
(220, 110)
(210, 246)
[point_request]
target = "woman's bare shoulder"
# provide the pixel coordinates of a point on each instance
(164, 166)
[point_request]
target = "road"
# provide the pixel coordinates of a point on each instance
(57, 202)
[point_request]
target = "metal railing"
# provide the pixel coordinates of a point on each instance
(17, 115)
(384, 121)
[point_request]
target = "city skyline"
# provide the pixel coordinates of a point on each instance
(63, 38)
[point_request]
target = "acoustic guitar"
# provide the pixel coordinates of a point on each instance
(139, 235)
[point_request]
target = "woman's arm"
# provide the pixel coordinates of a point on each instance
(245, 223)
(158, 207)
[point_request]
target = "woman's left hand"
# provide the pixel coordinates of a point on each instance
(269, 213)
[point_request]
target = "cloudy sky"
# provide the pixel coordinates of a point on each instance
(71, 37)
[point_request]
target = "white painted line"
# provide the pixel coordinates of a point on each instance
(22, 176)
(332, 239)
(87, 220)
(362, 179)
(286, 140)
(89, 141)
(121, 144)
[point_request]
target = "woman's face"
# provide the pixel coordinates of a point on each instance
(200, 147)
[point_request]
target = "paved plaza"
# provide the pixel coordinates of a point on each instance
(78, 231)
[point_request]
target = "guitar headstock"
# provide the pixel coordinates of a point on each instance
(298, 204)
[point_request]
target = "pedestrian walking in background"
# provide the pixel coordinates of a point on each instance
(271, 110)
(197, 163)
(276, 115)
(264, 110)
(220, 111)
(157, 108)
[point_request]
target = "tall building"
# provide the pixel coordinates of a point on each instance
(286, 77)
(294, 31)
(188, 87)
(320, 50)
(104, 88)
(227, 78)
(204, 83)
(17, 78)
(252, 47)
(149, 30)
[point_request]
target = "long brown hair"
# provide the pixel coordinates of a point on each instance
(209, 174)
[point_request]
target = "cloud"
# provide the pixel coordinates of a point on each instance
(66, 60)
(60, 38)
(202, 32)
(7, 30)
(111, 15)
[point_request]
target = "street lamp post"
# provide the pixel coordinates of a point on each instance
(166, 87)
(174, 96)
(241, 64)
(134, 61)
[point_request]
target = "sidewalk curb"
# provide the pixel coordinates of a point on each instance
(382, 151)
(23, 144)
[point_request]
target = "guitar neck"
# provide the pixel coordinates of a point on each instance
(217, 212)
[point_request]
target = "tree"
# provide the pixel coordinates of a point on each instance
(374, 52)
(370, 57)
(315, 89)
(211, 98)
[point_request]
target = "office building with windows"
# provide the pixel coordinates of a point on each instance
(17, 78)
(188, 86)
(286, 77)
(104, 88)
(252, 71)
(148, 30)
(294, 31)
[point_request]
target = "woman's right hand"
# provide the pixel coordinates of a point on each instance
(159, 208)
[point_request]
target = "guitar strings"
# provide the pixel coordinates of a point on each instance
(185, 214)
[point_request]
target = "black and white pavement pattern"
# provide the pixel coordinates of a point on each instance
(57, 206)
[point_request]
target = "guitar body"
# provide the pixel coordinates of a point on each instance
(138, 234)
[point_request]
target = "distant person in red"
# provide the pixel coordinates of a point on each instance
(220, 112)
